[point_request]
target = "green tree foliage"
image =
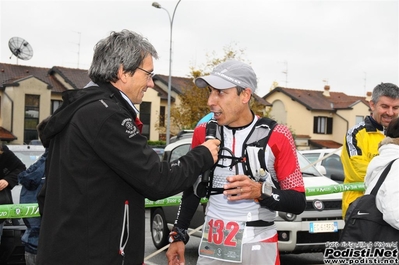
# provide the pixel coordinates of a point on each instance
(193, 106)
(257, 105)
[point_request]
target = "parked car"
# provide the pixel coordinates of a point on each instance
(181, 135)
(35, 142)
(308, 232)
(159, 151)
(11, 249)
(330, 159)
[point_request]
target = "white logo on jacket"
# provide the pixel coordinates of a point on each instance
(131, 130)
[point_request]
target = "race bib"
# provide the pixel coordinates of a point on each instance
(222, 240)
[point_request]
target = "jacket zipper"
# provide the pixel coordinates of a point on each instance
(125, 228)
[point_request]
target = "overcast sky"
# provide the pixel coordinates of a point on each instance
(350, 45)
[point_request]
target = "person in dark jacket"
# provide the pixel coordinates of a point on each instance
(100, 169)
(10, 167)
(32, 181)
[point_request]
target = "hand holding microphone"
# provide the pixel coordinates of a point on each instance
(213, 146)
(211, 142)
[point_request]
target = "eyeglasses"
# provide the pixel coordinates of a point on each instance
(150, 75)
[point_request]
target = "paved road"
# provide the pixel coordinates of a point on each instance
(192, 250)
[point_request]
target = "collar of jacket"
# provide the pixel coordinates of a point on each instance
(372, 125)
(388, 140)
(116, 95)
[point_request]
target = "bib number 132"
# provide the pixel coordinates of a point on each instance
(222, 240)
(223, 233)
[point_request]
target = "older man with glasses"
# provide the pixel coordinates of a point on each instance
(99, 167)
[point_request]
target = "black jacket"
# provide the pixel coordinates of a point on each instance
(10, 167)
(98, 162)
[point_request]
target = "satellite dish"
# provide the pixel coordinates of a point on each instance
(20, 48)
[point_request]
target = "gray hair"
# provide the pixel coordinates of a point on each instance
(385, 89)
(125, 48)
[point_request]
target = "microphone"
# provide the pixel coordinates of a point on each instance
(211, 128)
(210, 133)
(201, 186)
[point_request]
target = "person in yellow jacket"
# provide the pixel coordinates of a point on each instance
(361, 141)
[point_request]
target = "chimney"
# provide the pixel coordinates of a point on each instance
(368, 96)
(326, 91)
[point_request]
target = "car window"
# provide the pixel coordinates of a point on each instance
(179, 151)
(159, 152)
(306, 169)
(311, 157)
(332, 161)
(333, 165)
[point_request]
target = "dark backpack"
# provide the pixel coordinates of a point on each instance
(363, 220)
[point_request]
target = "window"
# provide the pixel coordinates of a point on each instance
(322, 125)
(333, 166)
(179, 151)
(32, 103)
(312, 157)
(359, 119)
(145, 117)
(162, 116)
(55, 104)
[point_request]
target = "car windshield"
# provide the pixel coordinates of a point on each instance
(306, 169)
(312, 157)
(28, 157)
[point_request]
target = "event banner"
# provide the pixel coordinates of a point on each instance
(32, 210)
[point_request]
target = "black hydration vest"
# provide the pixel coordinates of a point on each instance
(252, 158)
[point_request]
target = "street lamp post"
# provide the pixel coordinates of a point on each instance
(157, 5)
